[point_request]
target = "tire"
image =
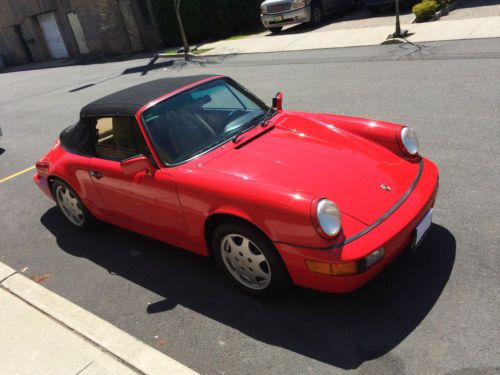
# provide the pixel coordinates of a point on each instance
(275, 30)
(249, 259)
(71, 206)
(316, 14)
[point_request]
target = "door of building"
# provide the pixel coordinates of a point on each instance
(52, 35)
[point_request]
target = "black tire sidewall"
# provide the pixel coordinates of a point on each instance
(275, 30)
(88, 219)
(280, 279)
(315, 6)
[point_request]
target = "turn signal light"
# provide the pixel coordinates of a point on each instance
(332, 269)
(42, 167)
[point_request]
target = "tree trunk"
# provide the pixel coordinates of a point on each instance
(177, 4)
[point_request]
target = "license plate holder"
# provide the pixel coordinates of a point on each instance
(278, 19)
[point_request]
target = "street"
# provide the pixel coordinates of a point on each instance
(432, 312)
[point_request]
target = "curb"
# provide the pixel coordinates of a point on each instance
(133, 352)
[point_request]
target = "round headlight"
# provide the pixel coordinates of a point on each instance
(328, 217)
(410, 140)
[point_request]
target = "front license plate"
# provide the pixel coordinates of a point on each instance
(278, 19)
(423, 227)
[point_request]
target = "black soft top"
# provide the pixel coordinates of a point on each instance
(78, 138)
(128, 101)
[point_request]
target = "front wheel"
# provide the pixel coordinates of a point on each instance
(71, 206)
(249, 259)
(316, 14)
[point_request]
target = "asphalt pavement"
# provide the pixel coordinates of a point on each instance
(432, 312)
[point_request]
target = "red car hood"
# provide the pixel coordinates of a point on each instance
(308, 156)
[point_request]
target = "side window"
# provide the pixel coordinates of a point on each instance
(118, 138)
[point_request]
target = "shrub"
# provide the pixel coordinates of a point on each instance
(206, 19)
(427, 8)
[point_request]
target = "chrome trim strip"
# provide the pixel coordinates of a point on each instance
(375, 224)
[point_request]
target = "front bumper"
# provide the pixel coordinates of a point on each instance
(290, 17)
(395, 234)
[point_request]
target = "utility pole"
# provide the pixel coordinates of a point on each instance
(177, 4)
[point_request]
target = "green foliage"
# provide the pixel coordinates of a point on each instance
(206, 19)
(427, 8)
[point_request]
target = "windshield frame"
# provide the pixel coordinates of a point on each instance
(224, 140)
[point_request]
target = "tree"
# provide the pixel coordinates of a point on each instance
(177, 4)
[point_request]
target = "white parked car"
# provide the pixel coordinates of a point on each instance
(278, 13)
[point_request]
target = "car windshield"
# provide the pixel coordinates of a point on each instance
(192, 122)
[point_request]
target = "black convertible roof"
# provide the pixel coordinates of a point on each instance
(128, 101)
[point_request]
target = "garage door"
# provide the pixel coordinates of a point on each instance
(52, 35)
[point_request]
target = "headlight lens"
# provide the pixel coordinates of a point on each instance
(328, 217)
(263, 9)
(296, 4)
(409, 140)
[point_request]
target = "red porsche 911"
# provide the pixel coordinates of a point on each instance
(276, 197)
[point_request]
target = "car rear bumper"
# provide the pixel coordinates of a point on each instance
(394, 234)
(286, 18)
(43, 184)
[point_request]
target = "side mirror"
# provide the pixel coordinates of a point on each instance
(278, 101)
(137, 164)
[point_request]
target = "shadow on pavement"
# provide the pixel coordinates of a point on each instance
(341, 330)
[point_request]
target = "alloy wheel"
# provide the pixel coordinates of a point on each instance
(245, 261)
(70, 205)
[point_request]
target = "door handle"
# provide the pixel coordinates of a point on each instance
(96, 174)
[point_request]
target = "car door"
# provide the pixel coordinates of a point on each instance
(147, 201)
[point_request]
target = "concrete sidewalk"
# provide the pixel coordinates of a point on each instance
(42, 333)
(472, 28)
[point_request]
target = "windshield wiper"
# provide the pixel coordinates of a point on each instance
(270, 113)
(262, 120)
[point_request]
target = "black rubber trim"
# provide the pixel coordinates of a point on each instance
(250, 139)
(375, 224)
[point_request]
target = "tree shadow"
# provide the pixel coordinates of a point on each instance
(341, 330)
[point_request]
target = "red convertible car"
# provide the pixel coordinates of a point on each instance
(276, 197)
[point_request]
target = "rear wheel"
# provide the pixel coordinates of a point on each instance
(71, 206)
(275, 30)
(249, 259)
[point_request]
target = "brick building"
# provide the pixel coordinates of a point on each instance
(41, 30)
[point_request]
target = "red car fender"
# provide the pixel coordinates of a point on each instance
(383, 133)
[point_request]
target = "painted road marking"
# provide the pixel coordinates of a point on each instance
(17, 174)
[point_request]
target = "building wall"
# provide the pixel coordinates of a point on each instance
(107, 26)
